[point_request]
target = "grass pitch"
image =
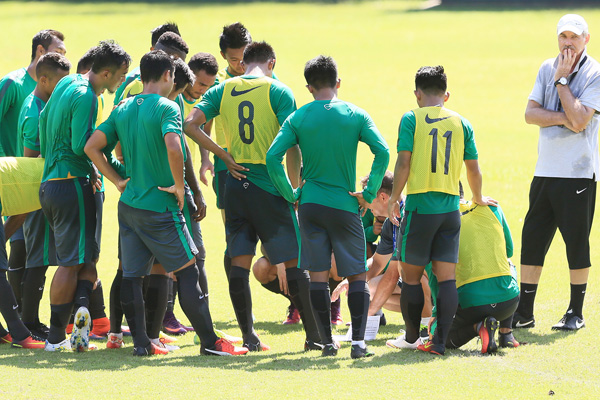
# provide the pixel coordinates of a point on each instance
(491, 57)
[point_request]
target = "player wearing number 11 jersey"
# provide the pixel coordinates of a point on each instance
(433, 142)
(253, 107)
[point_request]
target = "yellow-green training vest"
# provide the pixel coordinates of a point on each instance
(482, 246)
(438, 151)
(20, 180)
(249, 122)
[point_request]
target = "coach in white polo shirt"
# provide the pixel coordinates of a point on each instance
(564, 103)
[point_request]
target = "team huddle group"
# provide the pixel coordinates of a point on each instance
(441, 261)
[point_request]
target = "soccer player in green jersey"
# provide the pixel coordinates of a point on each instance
(328, 131)
(433, 143)
(39, 238)
(252, 108)
(14, 88)
(66, 193)
(150, 217)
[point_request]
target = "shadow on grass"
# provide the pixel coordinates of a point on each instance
(501, 6)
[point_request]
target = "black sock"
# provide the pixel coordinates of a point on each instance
(412, 301)
(116, 311)
(33, 290)
(171, 289)
(8, 308)
(299, 288)
(82, 294)
(59, 318)
(156, 303)
(202, 279)
(194, 305)
(273, 286)
(227, 265)
(241, 299)
(528, 292)
(332, 285)
(97, 302)
(446, 304)
(16, 268)
(577, 296)
(358, 303)
(132, 301)
(321, 302)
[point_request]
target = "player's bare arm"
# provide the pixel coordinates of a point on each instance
(93, 149)
(190, 177)
(175, 155)
(205, 163)
(475, 180)
(401, 171)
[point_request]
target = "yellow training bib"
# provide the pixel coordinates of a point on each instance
(20, 179)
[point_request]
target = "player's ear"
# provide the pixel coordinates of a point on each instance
(446, 96)
(272, 64)
(417, 93)
(338, 83)
(40, 51)
(223, 55)
(310, 89)
(587, 38)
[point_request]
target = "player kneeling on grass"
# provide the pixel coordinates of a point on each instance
(150, 215)
(488, 292)
(327, 131)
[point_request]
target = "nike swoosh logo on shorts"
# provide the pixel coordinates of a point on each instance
(236, 93)
(580, 191)
(431, 121)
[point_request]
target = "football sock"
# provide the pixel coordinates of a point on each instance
(132, 301)
(360, 343)
(299, 289)
(195, 305)
(202, 279)
(332, 285)
(82, 293)
(172, 289)
(241, 298)
(577, 296)
(412, 301)
(16, 268)
(8, 308)
(321, 302)
(97, 302)
(227, 265)
(273, 286)
(59, 318)
(116, 311)
(156, 304)
(528, 292)
(447, 302)
(33, 289)
(358, 304)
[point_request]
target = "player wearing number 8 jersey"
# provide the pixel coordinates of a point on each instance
(432, 144)
(253, 107)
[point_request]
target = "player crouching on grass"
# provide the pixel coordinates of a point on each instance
(327, 131)
(152, 197)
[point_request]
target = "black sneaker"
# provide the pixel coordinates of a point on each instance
(149, 350)
(38, 330)
(520, 321)
(312, 345)
(569, 322)
(507, 340)
(329, 350)
(360, 352)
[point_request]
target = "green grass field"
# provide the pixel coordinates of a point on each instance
(491, 58)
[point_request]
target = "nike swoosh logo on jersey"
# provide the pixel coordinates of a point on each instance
(520, 325)
(236, 93)
(580, 191)
(431, 121)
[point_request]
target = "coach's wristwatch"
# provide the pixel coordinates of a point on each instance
(561, 81)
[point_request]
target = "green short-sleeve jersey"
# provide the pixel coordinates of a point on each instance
(131, 76)
(140, 124)
(328, 132)
(28, 128)
(14, 89)
(66, 123)
(432, 202)
(282, 102)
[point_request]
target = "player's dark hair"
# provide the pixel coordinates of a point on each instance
(258, 52)
(86, 61)
(50, 63)
(204, 62)
(183, 74)
(170, 40)
(154, 64)
(387, 183)
(109, 55)
(431, 80)
(234, 36)
(321, 72)
(157, 32)
(44, 38)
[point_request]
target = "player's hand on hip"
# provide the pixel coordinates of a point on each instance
(339, 289)
(234, 167)
(122, 184)
(485, 201)
(205, 167)
(394, 212)
(179, 194)
(363, 204)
